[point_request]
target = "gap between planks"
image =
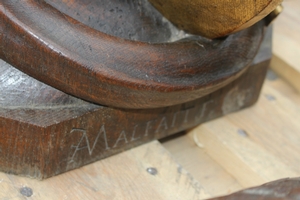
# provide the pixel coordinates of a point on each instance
(123, 176)
(247, 148)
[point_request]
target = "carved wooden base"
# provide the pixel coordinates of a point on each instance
(45, 132)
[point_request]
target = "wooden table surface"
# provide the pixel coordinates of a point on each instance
(244, 149)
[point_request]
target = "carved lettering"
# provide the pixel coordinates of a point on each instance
(148, 126)
(121, 137)
(203, 110)
(163, 123)
(84, 138)
(174, 119)
(133, 138)
(187, 112)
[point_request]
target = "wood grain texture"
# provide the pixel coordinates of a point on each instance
(124, 176)
(132, 19)
(45, 137)
(79, 60)
(286, 43)
(259, 144)
(272, 124)
(285, 189)
(50, 132)
(244, 159)
(214, 178)
(284, 137)
(119, 177)
(262, 140)
(214, 18)
(129, 183)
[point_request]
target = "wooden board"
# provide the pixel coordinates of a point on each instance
(247, 148)
(123, 176)
(287, 43)
(214, 178)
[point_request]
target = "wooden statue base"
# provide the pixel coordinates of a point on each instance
(153, 78)
(45, 132)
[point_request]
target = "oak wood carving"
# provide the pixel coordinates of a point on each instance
(45, 132)
(215, 18)
(90, 71)
(58, 50)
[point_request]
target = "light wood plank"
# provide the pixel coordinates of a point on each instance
(284, 88)
(288, 72)
(258, 144)
(250, 147)
(207, 171)
(123, 176)
(274, 124)
(248, 162)
(286, 42)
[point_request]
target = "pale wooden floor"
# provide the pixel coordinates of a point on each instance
(244, 149)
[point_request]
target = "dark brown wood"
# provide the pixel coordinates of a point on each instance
(45, 132)
(113, 69)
